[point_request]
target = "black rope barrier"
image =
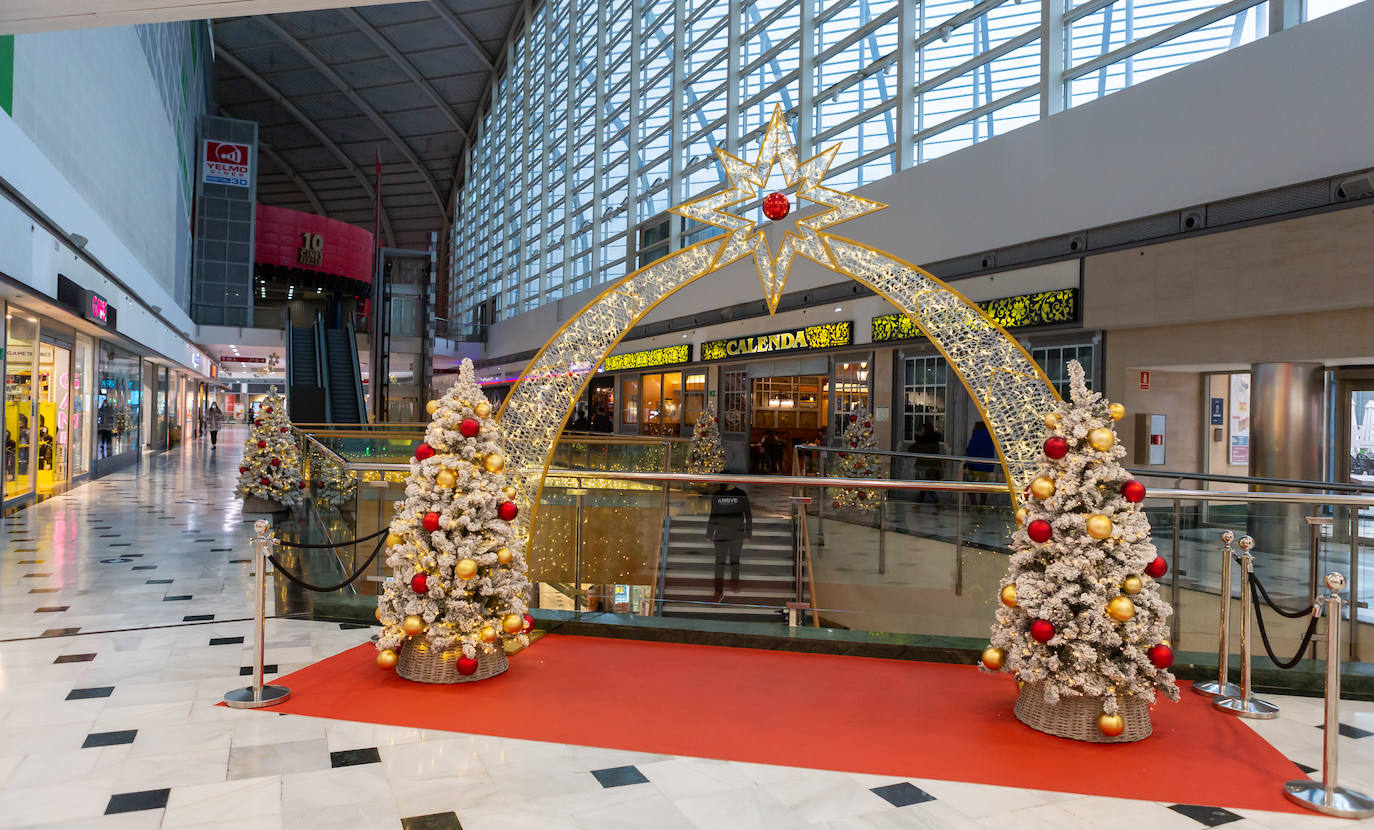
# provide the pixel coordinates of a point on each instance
(1264, 635)
(367, 538)
(1282, 612)
(326, 589)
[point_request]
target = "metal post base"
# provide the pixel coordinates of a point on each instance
(244, 698)
(1247, 708)
(1338, 801)
(1215, 688)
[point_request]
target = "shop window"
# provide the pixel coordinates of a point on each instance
(734, 407)
(924, 401)
(1054, 360)
(789, 403)
(629, 393)
(661, 404)
(851, 388)
(119, 399)
(21, 353)
(694, 400)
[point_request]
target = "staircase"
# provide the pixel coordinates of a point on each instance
(343, 368)
(767, 573)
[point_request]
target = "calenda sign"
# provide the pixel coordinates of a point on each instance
(225, 163)
(823, 336)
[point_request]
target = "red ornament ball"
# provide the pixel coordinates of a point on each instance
(1161, 656)
(424, 451)
(319, 484)
(276, 462)
(1039, 531)
(431, 521)
(268, 410)
(508, 511)
(467, 666)
(262, 445)
(1042, 631)
(1133, 491)
(1157, 568)
(1056, 447)
(470, 427)
(243, 469)
(265, 481)
(302, 485)
(776, 206)
(529, 622)
(257, 422)
(853, 418)
(419, 583)
(283, 429)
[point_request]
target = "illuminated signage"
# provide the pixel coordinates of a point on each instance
(312, 249)
(1043, 309)
(225, 163)
(666, 356)
(823, 336)
(99, 309)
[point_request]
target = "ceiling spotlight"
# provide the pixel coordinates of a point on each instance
(839, 308)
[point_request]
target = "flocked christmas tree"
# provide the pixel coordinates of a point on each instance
(271, 467)
(706, 455)
(335, 484)
(853, 462)
(459, 566)
(1080, 614)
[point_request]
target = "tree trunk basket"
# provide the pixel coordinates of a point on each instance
(423, 663)
(257, 504)
(1076, 717)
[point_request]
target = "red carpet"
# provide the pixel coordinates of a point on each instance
(856, 714)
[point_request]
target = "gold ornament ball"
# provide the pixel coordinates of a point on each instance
(393, 539)
(431, 406)
(446, 478)
(513, 623)
(413, 625)
(1042, 487)
(504, 556)
(488, 634)
(1099, 526)
(1008, 596)
(494, 463)
(466, 568)
(1111, 725)
(1020, 516)
(386, 659)
(482, 409)
(378, 613)
(994, 658)
(1118, 411)
(510, 493)
(1052, 420)
(1102, 439)
(1121, 608)
(1132, 585)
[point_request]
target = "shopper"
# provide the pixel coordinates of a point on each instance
(580, 422)
(980, 445)
(926, 443)
(730, 525)
(601, 421)
(213, 420)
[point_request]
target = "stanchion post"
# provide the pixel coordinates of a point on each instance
(259, 695)
(1327, 796)
(959, 532)
(577, 494)
(1222, 685)
(1244, 704)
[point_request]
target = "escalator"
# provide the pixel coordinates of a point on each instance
(344, 391)
(305, 393)
(324, 381)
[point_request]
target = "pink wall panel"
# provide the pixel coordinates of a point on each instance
(347, 248)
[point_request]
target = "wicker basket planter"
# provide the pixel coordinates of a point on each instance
(424, 664)
(1076, 717)
(257, 504)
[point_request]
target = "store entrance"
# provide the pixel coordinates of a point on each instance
(785, 411)
(54, 416)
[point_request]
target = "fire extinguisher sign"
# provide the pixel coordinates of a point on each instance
(225, 163)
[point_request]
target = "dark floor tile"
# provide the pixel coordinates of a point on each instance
(59, 632)
(75, 658)
(433, 821)
(88, 694)
(1304, 767)
(120, 544)
(347, 626)
(1206, 816)
(144, 568)
(1348, 731)
(902, 794)
(178, 598)
(267, 668)
(619, 776)
(220, 550)
(43, 590)
(119, 560)
(110, 535)
(225, 641)
(48, 609)
(130, 802)
(33, 561)
(239, 561)
(158, 582)
(123, 736)
(197, 617)
(354, 757)
(211, 540)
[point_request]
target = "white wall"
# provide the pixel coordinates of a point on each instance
(1288, 108)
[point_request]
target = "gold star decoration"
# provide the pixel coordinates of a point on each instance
(746, 180)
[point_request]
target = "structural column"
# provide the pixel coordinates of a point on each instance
(1286, 438)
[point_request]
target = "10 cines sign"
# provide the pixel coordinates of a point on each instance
(312, 249)
(225, 163)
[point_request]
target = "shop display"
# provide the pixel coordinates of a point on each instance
(1085, 628)
(706, 456)
(854, 462)
(269, 475)
(458, 583)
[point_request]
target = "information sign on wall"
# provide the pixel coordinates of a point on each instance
(225, 163)
(1240, 419)
(1218, 412)
(823, 336)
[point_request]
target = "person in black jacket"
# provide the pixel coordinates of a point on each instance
(731, 523)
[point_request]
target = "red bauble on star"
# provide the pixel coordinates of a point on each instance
(419, 583)
(470, 427)
(1157, 568)
(1056, 447)
(776, 206)
(262, 445)
(1039, 531)
(276, 462)
(1133, 491)
(508, 511)
(431, 521)
(424, 451)
(1042, 631)
(466, 666)
(1161, 656)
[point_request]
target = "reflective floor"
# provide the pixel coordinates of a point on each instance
(123, 614)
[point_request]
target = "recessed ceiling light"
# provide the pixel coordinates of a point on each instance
(839, 308)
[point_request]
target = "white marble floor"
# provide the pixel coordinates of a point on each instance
(107, 715)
